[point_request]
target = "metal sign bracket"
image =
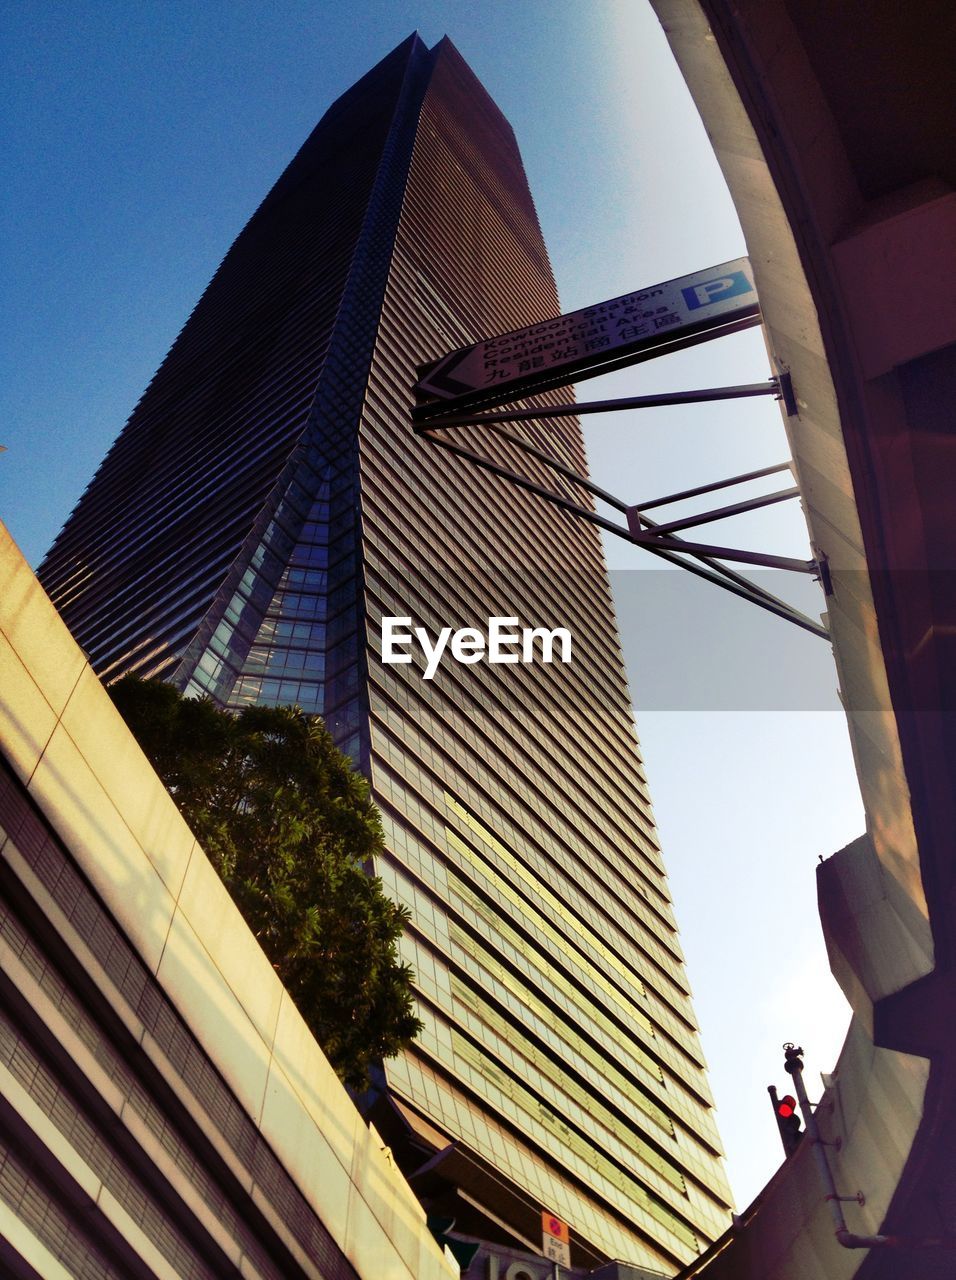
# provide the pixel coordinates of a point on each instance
(478, 385)
(443, 413)
(700, 559)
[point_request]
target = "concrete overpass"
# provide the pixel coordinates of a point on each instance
(833, 124)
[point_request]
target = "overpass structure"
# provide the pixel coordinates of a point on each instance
(833, 127)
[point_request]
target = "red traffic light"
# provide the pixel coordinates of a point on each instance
(788, 1119)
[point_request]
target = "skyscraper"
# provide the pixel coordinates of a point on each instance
(268, 504)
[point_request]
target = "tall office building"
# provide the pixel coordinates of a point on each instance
(268, 503)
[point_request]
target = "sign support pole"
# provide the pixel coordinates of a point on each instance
(468, 387)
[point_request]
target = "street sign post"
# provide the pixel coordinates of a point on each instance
(585, 343)
(468, 387)
(555, 1239)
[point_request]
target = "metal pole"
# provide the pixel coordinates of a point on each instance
(793, 1065)
(706, 549)
(750, 587)
(722, 513)
(660, 401)
(846, 1238)
(709, 488)
(755, 595)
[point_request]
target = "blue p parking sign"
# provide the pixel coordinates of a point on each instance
(729, 286)
(693, 308)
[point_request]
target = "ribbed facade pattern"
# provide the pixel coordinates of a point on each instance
(560, 1051)
(179, 542)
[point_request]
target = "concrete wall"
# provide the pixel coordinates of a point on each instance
(80, 766)
(856, 287)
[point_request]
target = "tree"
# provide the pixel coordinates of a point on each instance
(291, 828)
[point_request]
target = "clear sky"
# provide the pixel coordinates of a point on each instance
(141, 138)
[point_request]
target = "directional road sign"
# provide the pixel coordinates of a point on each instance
(674, 313)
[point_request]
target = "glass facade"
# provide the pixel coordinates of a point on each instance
(560, 1061)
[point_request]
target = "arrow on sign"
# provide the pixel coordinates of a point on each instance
(438, 383)
(581, 343)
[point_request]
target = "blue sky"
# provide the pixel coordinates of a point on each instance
(143, 135)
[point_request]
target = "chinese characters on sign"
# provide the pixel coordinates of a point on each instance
(555, 1239)
(656, 315)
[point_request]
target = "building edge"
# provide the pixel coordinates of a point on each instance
(285, 1149)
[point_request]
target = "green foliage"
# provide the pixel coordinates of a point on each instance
(290, 827)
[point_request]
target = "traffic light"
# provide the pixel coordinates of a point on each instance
(788, 1120)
